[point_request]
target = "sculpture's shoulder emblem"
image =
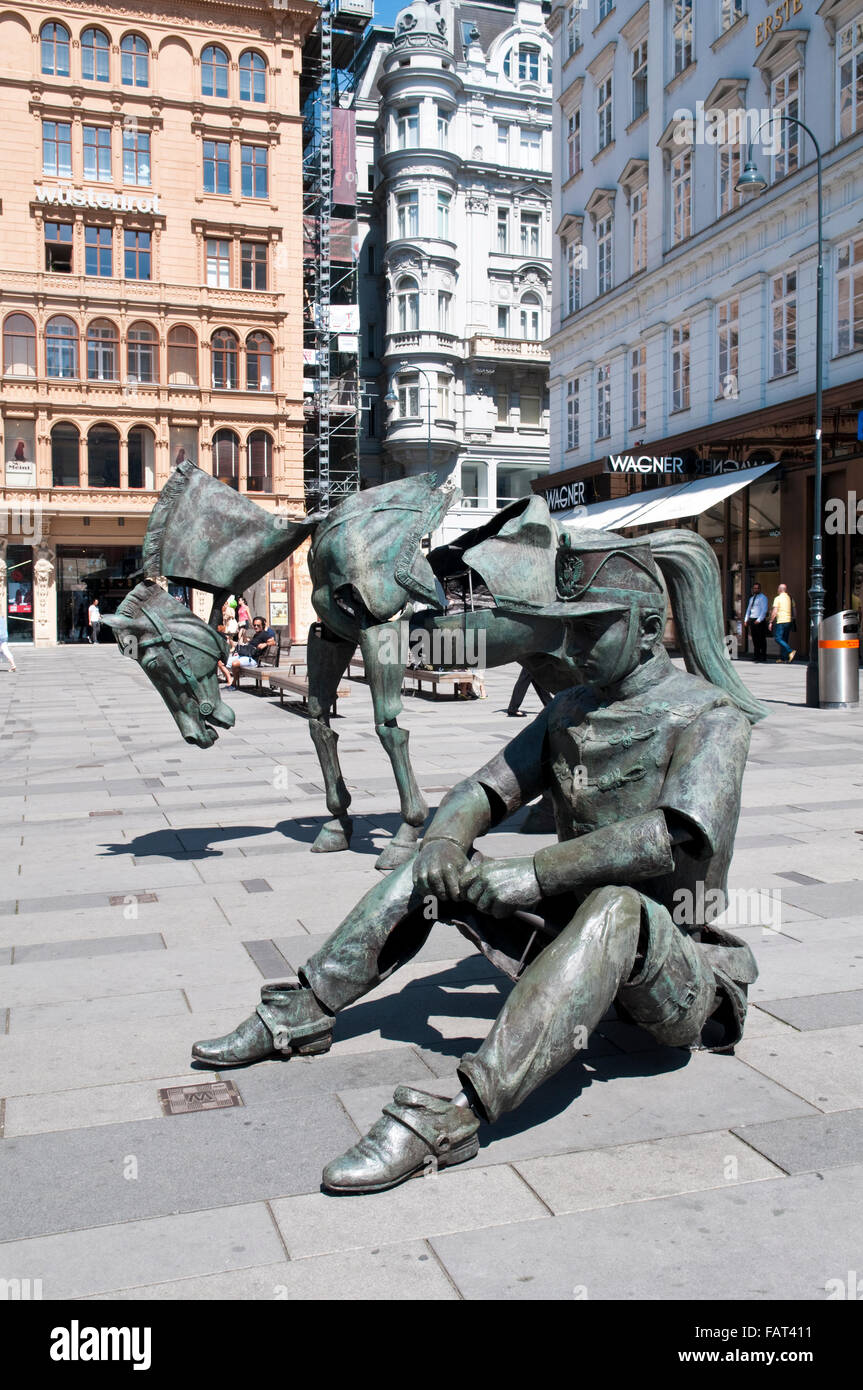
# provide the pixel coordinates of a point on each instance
(568, 570)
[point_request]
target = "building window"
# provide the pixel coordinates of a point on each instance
(730, 169)
(95, 56)
(530, 404)
(605, 8)
(219, 263)
(134, 61)
(728, 339)
(61, 348)
(97, 154)
(409, 397)
(638, 215)
(501, 402)
(639, 79)
(371, 340)
(137, 255)
(573, 143)
(259, 362)
(681, 197)
(407, 214)
(65, 447)
(572, 413)
(784, 301)
(849, 48)
(530, 233)
(443, 206)
(572, 288)
(637, 388)
(141, 458)
(503, 229)
(58, 247)
(603, 401)
(214, 72)
(680, 366)
(502, 321)
(103, 456)
(443, 120)
(217, 166)
(142, 353)
(55, 50)
(57, 149)
(530, 146)
(102, 351)
(99, 251)
(226, 360)
(528, 63)
(682, 33)
(605, 254)
(182, 357)
(255, 180)
(408, 304)
(444, 396)
(573, 28)
(136, 157)
(253, 265)
(605, 112)
(253, 77)
(785, 101)
(530, 314)
(226, 458)
(19, 345)
(444, 303)
(732, 10)
(408, 128)
(259, 477)
(502, 143)
(849, 297)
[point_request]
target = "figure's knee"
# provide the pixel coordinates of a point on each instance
(612, 913)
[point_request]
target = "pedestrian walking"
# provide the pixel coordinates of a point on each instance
(5, 649)
(755, 619)
(519, 690)
(94, 619)
(782, 620)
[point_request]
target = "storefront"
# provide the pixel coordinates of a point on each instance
(88, 572)
(19, 592)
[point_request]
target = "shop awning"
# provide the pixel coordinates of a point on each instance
(666, 503)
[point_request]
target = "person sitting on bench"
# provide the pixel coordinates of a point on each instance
(250, 653)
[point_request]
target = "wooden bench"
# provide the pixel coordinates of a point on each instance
(299, 685)
(268, 662)
(437, 678)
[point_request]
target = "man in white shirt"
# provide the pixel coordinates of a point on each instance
(94, 618)
(755, 619)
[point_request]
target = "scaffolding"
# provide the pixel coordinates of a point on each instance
(332, 390)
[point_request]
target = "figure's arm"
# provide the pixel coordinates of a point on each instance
(622, 853)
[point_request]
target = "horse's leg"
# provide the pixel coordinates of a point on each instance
(328, 657)
(385, 668)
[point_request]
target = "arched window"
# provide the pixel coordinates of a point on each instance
(102, 351)
(65, 443)
(142, 353)
(135, 61)
(182, 357)
(531, 317)
(95, 56)
(260, 465)
(226, 458)
(528, 63)
(55, 50)
(19, 345)
(142, 454)
(214, 71)
(103, 457)
(61, 348)
(408, 301)
(253, 77)
(259, 362)
(226, 359)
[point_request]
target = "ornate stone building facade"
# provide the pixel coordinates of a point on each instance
(150, 279)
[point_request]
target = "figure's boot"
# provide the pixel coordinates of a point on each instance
(288, 1021)
(417, 1133)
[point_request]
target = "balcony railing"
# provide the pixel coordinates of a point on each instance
(509, 348)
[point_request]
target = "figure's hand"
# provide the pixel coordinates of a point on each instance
(439, 868)
(500, 886)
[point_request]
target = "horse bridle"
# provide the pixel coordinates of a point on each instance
(164, 638)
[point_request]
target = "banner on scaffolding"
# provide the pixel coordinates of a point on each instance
(344, 239)
(344, 157)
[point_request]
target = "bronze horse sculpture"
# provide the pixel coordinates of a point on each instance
(499, 588)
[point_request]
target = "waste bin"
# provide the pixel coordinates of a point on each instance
(838, 660)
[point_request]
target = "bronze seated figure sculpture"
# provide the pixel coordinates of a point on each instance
(645, 764)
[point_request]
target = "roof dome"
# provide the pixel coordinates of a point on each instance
(420, 24)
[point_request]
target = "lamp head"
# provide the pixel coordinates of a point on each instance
(751, 181)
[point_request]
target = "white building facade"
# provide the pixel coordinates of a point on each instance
(454, 157)
(683, 318)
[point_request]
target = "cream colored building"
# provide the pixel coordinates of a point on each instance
(150, 280)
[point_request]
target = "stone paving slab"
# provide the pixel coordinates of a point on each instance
(90, 1105)
(824, 1067)
(819, 1011)
(780, 1239)
(809, 1144)
(92, 946)
(48, 1019)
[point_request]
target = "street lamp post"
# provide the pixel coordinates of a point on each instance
(751, 181)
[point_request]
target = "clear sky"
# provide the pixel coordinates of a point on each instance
(386, 10)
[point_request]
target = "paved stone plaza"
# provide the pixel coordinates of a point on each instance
(150, 888)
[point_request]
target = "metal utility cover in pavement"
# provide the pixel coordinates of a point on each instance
(210, 1095)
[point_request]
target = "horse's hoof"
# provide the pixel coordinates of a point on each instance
(401, 848)
(334, 836)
